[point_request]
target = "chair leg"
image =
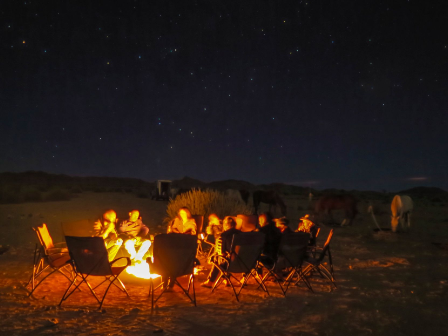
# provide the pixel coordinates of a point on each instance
(151, 292)
(194, 292)
(65, 296)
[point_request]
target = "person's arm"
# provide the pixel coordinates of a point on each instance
(192, 226)
(174, 226)
(122, 227)
(108, 230)
(97, 226)
(144, 230)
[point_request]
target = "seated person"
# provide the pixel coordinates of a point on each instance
(134, 232)
(106, 230)
(273, 236)
(307, 225)
(282, 224)
(214, 226)
(229, 225)
(183, 223)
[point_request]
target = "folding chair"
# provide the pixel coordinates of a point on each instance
(292, 252)
(312, 246)
(48, 256)
(316, 263)
(174, 255)
(89, 257)
(245, 250)
(80, 228)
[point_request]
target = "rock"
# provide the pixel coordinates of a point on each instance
(134, 311)
(51, 322)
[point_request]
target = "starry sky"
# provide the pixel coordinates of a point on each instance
(326, 94)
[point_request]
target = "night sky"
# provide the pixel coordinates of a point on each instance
(343, 94)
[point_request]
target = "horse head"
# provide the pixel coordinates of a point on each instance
(394, 222)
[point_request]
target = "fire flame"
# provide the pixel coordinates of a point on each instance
(139, 267)
(141, 270)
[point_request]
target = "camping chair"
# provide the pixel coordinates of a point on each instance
(292, 252)
(199, 219)
(174, 255)
(48, 256)
(245, 250)
(80, 228)
(89, 257)
(312, 246)
(316, 263)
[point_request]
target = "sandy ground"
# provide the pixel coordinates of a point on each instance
(388, 284)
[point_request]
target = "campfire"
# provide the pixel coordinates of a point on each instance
(139, 267)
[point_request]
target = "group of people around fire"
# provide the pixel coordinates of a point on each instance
(272, 228)
(134, 234)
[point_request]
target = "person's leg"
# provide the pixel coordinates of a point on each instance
(130, 247)
(112, 247)
(144, 247)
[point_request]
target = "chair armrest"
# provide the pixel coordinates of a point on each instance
(128, 261)
(60, 245)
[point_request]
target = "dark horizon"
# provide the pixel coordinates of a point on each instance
(404, 186)
(327, 95)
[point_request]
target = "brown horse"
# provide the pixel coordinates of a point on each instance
(348, 203)
(269, 197)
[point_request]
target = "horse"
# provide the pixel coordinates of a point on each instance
(348, 203)
(269, 197)
(401, 208)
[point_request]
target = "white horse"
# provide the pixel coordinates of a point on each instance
(401, 208)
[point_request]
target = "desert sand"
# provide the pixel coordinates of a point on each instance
(388, 284)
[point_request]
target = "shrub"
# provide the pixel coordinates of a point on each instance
(205, 202)
(57, 195)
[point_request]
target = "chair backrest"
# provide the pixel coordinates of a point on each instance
(245, 250)
(293, 247)
(81, 228)
(174, 254)
(314, 233)
(89, 255)
(199, 219)
(326, 246)
(247, 223)
(44, 236)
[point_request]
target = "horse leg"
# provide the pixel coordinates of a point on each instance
(408, 221)
(402, 222)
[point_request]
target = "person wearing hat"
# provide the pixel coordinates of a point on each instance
(307, 225)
